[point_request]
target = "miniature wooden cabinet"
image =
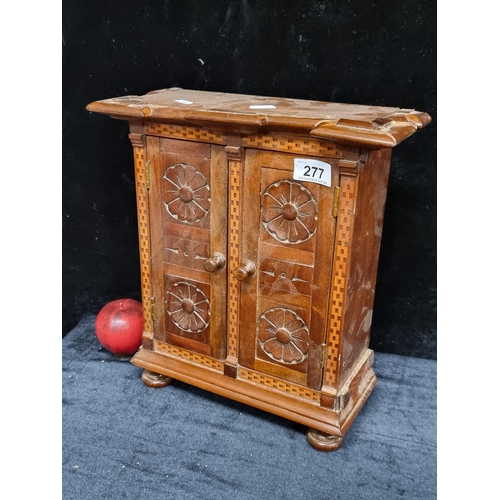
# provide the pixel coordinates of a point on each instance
(260, 221)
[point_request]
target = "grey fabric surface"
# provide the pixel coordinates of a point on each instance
(121, 439)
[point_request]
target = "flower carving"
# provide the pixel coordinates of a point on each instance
(289, 212)
(188, 307)
(185, 193)
(283, 335)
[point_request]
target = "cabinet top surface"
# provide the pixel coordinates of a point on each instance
(363, 125)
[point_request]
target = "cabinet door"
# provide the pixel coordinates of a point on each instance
(188, 243)
(288, 235)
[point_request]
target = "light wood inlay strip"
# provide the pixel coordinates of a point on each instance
(144, 245)
(184, 132)
(278, 384)
(311, 147)
(233, 255)
(345, 221)
(179, 352)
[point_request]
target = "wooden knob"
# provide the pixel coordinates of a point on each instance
(217, 261)
(244, 271)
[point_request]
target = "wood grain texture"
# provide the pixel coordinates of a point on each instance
(361, 278)
(357, 125)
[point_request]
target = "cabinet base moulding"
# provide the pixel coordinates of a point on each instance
(310, 413)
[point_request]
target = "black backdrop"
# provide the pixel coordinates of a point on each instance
(377, 52)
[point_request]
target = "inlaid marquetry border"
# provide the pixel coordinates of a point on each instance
(198, 359)
(345, 221)
(138, 145)
(184, 132)
(312, 147)
(243, 373)
(234, 155)
(278, 384)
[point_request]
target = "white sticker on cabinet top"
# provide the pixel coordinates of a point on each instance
(262, 106)
(316, 171)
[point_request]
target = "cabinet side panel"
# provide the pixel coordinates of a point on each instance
(364, 255)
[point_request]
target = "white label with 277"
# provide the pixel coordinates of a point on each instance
(316, 171)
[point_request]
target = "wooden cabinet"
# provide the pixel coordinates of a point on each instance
(260, 221)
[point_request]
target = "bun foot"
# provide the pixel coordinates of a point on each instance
(323, 442)
(155, 380)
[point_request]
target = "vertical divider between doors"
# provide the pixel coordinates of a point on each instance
(234, 157)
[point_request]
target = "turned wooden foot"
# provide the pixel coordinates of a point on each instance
(323, 442)
(155, 380)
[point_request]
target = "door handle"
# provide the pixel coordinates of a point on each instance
(217, 261)
(246, 269)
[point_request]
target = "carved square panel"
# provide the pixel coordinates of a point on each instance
(184, 252)
(284, 276)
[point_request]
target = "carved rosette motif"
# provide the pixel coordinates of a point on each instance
(289, 212)
(188, 307)
(185, 193)
(283, 335)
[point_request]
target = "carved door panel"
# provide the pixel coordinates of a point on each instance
(188, 243)
(288, 230)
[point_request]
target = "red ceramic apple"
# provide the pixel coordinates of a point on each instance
(118, 326)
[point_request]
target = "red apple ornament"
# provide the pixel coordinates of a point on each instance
(118, 326)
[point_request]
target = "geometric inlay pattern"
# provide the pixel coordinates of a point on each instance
(185, 193)
(187, 355)
(293, 145)
(345, 222)
(234, 221)
(188, 307)
(283, 335)
(278, 384)
(142, 212)
(289, 212)
(182, 132)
